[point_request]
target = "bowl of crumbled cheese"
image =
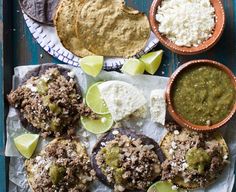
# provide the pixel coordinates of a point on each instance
(187, 27)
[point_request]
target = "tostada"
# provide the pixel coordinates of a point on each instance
(193, 159)
(126, 160)
(48, 100)
(63, 165)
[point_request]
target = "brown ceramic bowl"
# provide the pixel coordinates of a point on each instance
(178, 118)
(206, 45)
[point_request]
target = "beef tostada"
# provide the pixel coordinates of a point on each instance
(48, 100)
(63, 165)
(126, 160)
(194, 159)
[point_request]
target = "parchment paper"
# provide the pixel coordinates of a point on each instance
(146, 83)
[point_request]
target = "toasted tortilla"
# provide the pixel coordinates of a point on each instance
(165, 146)
(109, 28)
(29, 164)
(40, 10)
(64, 22)
(38, 71)
(109, 137)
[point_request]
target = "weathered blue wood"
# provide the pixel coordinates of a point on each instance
(22, 49)
(3, 167)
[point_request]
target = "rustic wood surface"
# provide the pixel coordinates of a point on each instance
(19, 48)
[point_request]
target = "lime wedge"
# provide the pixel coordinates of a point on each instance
(152, 61)
(97, 126)
(92, 65)
(133, 67)
(95, 101)
(26, 144)
(162, 186)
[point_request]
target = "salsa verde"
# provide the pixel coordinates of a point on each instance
(203, 95)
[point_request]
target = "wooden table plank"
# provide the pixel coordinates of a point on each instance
(22, 49)
(3, 167)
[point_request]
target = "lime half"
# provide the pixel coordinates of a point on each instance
(92, 65)
(94, 100)
(163, 186)
(26, 144)
(152, 61)
(97, 126)
(133, 67)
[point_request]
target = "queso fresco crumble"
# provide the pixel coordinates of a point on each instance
(186, 22)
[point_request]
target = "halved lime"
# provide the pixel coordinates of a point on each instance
(97, 126)
(26, 144)
(94, 100)
(152, 61)
(133, 67)
(162, 186)
(92, 65)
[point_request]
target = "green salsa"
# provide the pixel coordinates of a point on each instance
(112, 160)
(198, 159)
(203, 95)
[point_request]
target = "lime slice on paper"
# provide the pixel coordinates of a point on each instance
(97, 126)
(162, 186)
(95, 101)
(152, 61)
(26, 144)
(92, 65)
(133, 67)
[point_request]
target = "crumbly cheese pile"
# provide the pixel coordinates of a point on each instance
(186, 22)
(122, 99)
(158, 106)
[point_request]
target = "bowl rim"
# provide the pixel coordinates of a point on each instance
(178, 118)
(183, 50)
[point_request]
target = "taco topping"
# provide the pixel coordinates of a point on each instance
(50, 102)
(204, 95)
(128, 162)
(192, 156)
(62, 166)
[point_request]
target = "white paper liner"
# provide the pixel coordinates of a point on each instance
(17, 175)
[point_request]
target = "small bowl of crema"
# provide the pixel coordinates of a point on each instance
(187, 27)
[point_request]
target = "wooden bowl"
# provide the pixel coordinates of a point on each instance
(206, 45)
(178, 118)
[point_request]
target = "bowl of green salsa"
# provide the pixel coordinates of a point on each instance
(201, 95)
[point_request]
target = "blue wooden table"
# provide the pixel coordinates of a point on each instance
(17, 47)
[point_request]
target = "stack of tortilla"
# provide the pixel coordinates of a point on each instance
(101, 27)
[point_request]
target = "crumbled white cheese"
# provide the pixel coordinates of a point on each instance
(176, 132)
(173, 145)
(115, 132)
(173, 164)
(158, 106)
(171, 151)
(122, 98)
(31, 87)
(184, 166)
(186, 22)
(225, 157)
(174, 187)
(71, 74)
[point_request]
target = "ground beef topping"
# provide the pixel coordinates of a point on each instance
(193, 156)
(63, 167)
(50, 102)
(128, 163)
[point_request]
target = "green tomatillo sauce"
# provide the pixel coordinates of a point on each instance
(203, 95)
